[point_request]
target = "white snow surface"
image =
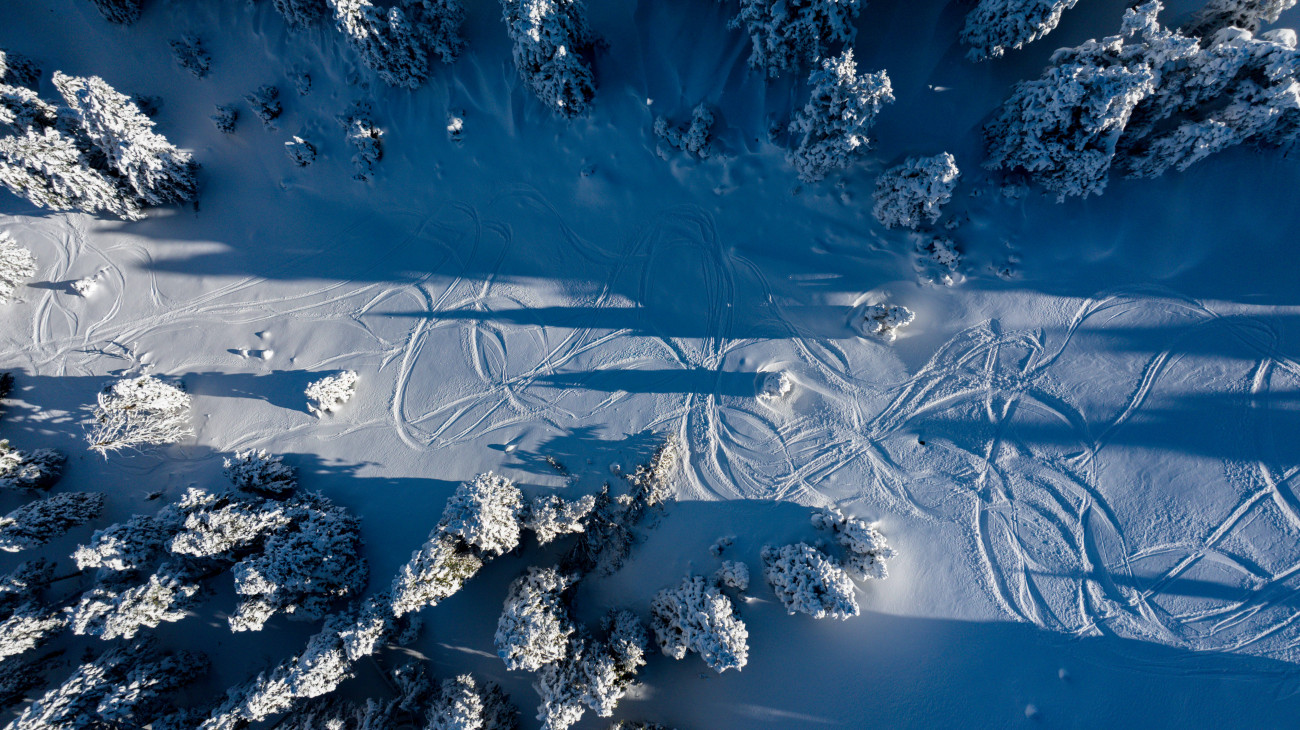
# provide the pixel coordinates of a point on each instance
(1084, 453)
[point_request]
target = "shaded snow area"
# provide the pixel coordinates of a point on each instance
(564, 395)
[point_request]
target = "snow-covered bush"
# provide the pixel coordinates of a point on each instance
(299, 14)
(29, 626)
(995, 26)
(807, 580)
(259, 472)
(698, 617)
(693, 138)
(484, 514)
(1246, 14)
(941, 253)
(113, 610)
(436, 571)
(461, 704)
(189, 54)
(911, 194)
(330, 393)
(385, 42)
(865, 549)
(456, 127)
(85, 286)
(301, 79)
(548, 37)
(882, 321)
(157, 172)
(46, 168)
(789, 34)
(364, 138)
(36, 523)
(436, 24)
(226, 117)
(265, 103)
(832, 127)
(549, 516)
(32, 470)
(535, 627)
(122, 12)
(125, 547)
(302, 152)
(732, 574)
(139, 411)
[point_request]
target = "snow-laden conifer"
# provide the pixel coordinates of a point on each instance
(832, 127)
(910, 195)
(694, 616)
(548, 36)
(36, 523)
(786, 35)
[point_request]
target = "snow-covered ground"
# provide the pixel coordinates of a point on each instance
(1084, 450)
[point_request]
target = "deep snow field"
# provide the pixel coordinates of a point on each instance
(1084, 451)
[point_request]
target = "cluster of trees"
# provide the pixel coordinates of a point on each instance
(97, 152)
(1150, 98)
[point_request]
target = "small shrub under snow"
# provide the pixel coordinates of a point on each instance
(302, 152)
(693, 138)
(329, 394)
(259, 472)
(226, 117)
(883, 321)
(265, 104)
(694, 616)
(865, 549)
(732, 574)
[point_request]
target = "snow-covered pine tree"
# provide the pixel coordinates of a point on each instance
(18, 70)
(695, 616)
(1063, 128)
(138, 411)
(460, 703)
(125, 686)
(303, 568)
(46, 168)
(593, 674)
(158, 172)
(125, 547)
(435, 572)
(21, 108)
(385, 42)
(261, 473)
(995, 26)
(832, 127)
(25, 582)
(31, 470)
(436, 24)
(299, 14)
(225, 527)
(809, 581)
(549, 37)
(29, 626)
(535, 627)
(786, 35)
(1246, 14)
(122, 12)
(121, 609)
(548, 516)
(485, 515)
(911, 194)
(36, 523)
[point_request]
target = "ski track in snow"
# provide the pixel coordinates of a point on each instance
(1047, 540)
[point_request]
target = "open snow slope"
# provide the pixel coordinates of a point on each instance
(1085, 452)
